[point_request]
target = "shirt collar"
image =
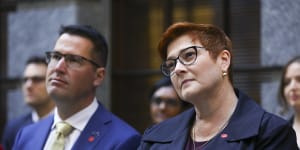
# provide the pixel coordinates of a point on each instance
(79, 119)
(35, 117)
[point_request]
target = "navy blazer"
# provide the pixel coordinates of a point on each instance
(12, 128)
(249, 128)
(104, 131)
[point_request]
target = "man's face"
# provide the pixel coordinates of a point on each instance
(164, 104)
(67, 80)
(33, 87)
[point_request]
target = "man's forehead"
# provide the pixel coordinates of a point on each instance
(35, 69)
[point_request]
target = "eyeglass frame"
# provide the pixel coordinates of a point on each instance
(178, 58)
(49, 57)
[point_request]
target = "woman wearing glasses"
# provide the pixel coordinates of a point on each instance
(198, 58)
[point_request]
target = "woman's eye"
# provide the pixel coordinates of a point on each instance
(286, 82)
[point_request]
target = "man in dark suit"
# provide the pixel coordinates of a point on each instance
(35, 96)
(76, 67)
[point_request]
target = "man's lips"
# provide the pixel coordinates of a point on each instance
(161, 115)
(29, 95)
(57, 80)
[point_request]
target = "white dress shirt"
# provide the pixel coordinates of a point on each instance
(35, 117)
(78, 121)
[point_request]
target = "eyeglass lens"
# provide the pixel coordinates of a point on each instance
(72, 60)
(186, 57)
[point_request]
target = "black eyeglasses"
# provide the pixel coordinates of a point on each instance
(168, 102)
(186, 56)
(72, 61)
(34, 79)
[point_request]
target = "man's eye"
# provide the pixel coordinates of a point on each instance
(74, 59)
(286, 82)
(56, 57)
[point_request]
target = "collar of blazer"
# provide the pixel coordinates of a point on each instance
(244, 123)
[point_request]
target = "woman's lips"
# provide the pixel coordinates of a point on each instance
(185, 81)
(294, 97)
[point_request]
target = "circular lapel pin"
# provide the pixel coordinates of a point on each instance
(91, 139)
(224, 135)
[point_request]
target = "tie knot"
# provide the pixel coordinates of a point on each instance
(63, 128)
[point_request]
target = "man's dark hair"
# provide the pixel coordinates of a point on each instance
(36, 60)
(100, 50)
(165, 81)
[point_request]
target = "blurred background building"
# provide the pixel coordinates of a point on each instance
(265, 35)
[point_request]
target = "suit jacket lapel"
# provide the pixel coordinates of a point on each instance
(94, 130)
(42, 132)
(183, 126)
(178, 142)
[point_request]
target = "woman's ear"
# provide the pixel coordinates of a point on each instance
(224, 59)
(99, 76)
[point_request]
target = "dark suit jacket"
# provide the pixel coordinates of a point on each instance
(250, 128)
(107, 131)
(12, 128)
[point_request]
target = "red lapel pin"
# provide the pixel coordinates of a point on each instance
(91, 138)
(224, 135)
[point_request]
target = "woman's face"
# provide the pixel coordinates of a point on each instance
(198, 79)
(292, 85)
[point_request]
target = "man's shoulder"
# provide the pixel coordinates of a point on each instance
(45, 122)
(116, 124)
(20, 121)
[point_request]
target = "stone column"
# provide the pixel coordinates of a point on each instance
(33, 29)
(280, 30)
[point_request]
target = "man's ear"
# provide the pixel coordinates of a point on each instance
(224, 59)
(99, 76)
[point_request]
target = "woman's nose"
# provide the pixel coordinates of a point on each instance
(179, 67)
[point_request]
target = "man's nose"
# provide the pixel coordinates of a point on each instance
(162, 105)
(61, 63)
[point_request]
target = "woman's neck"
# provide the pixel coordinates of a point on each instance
(213, 114)
(217, 103)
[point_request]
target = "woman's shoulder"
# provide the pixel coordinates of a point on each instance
(172, 125)
(273, 121)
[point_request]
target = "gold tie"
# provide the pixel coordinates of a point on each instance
(63, 129)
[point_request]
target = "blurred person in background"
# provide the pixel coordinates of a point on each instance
(198, 59)
(289, 92)
(35, 96)
(164, 101)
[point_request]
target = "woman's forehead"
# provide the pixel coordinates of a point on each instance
(181, 43)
